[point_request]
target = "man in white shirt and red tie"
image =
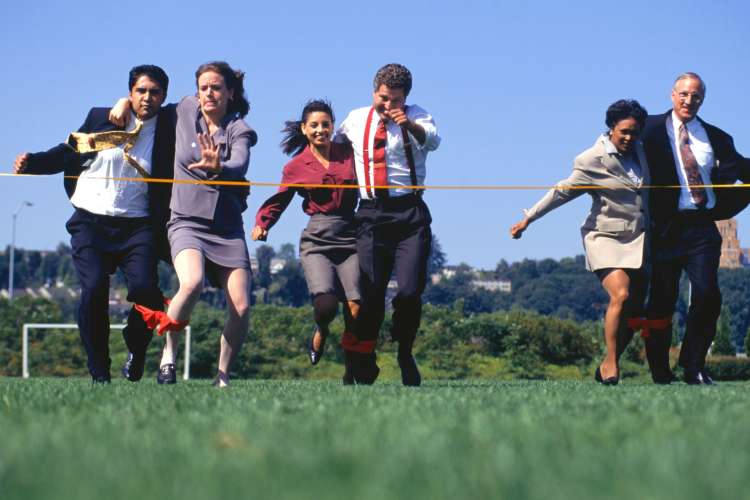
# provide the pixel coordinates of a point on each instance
(390, 141)
(684, 150)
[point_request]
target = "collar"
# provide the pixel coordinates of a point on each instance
(307, 157)
(612, 150)
(148, 125)
(202, 126)
(608, 146)
(690, 125)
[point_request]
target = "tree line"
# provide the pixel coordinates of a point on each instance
(550, 321)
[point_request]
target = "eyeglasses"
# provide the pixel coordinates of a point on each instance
(694, 96)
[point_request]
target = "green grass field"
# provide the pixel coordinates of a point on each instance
(63, 438)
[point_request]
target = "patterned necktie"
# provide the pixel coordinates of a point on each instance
(99, 141)
(380, 177)
(695, 181)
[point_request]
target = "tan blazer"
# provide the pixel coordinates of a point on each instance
(615, 232)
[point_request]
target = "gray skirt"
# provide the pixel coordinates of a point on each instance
(328, 253)
(222, 249)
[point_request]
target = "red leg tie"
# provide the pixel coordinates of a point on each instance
(350, 342)
(160, 320)
(646, 325)
(152, 317)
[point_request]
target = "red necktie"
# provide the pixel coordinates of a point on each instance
(695, 181)
(380, 177)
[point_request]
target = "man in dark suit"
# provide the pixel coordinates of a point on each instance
(683, 150)
(117, 223)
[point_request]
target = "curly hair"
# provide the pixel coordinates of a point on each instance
(294, 140)
(625, 108)
(394, 76)
(233, 80)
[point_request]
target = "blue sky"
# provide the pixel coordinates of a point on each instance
(518, 89)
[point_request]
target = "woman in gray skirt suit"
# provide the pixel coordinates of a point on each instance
(205, 231)
(615, 232)
(327, 246)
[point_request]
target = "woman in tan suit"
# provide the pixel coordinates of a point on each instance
(614, 234)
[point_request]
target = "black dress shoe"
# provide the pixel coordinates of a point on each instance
(167, 374)
(605, 381)
(663, 376)
(692, 377)
(410, 375)
(133, 367)
(705, 378)
(364, 368)
(316, 355)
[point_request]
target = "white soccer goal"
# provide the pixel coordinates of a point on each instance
(72, 326)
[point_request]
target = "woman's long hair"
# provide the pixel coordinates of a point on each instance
(294, 141)
(233, 79)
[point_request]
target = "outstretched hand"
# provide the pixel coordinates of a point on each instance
(516, 230)
(21, 162)
(209, 155)
(259, 234)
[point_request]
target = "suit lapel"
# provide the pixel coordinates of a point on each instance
(613, 165)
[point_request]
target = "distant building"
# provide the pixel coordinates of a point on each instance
(277, 265)
(493, 285)
(732, 256)
(45, 292)
(480, 279)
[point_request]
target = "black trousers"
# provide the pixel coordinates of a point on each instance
(393, 234)
(694, 247)
(100, 245)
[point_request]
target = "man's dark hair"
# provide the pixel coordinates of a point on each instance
(153, 72)
(393, 76)
(625, 108)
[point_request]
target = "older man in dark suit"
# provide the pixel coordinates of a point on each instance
(117, 223)
(683, 150)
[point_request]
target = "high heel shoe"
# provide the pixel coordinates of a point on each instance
(316, 355)
(605, 381)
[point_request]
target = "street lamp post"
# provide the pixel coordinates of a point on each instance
(13, 247)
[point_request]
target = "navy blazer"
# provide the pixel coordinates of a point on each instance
(62, 158)
(730, 166)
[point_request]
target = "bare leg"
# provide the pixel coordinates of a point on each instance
(617, 285)
(235, 283)
(325, 307)
(188, 265)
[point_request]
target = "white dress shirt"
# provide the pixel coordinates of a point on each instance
(397, 166)
(99, 189)
(704, 155)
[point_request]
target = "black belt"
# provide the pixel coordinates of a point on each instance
(392, 202)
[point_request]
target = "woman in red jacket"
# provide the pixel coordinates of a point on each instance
(327, 246)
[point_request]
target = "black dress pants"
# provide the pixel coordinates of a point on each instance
(393, 234)
(695, 247)
(100, 245)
